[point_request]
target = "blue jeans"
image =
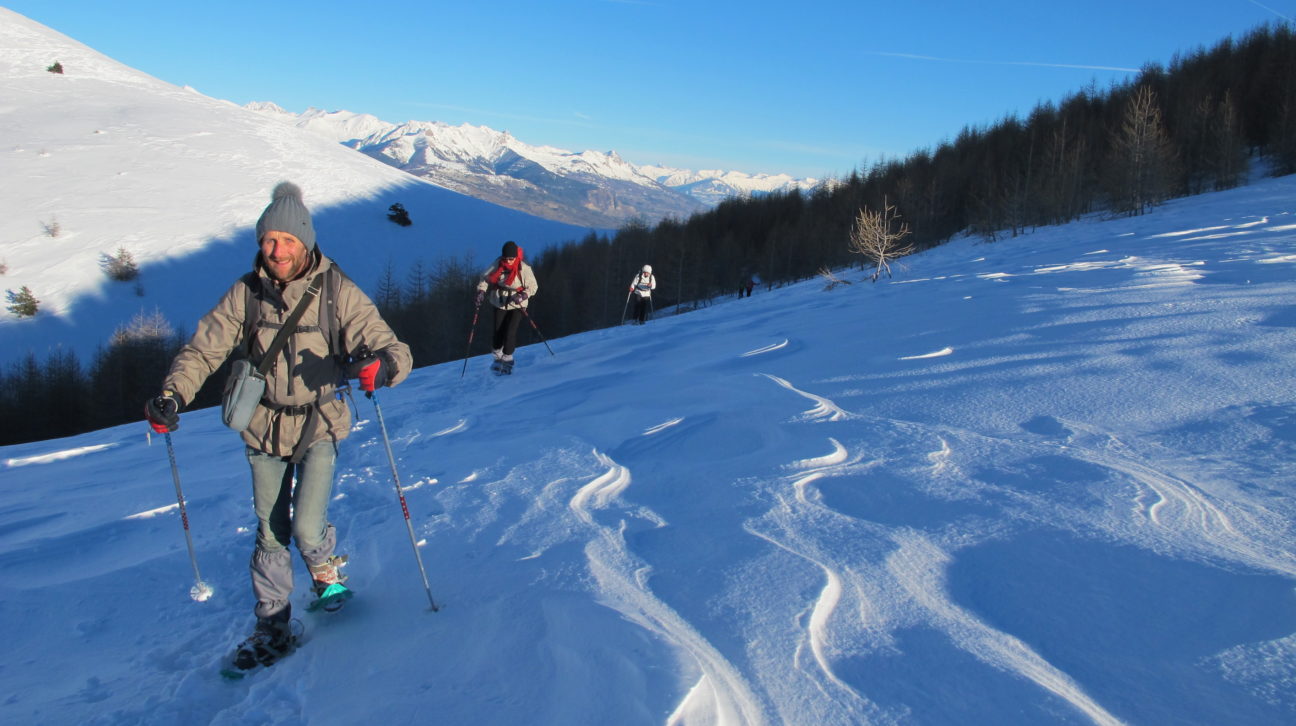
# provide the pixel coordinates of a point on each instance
(287, 510)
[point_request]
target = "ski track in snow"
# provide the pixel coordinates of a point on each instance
(461, 425)
(824, 408)
(789, 520)
(919, 567)
(766, 349)
(601, 490)
(662, 426)
(936, 354)
(1186, 517)
(721, 696)
(153, 512)
(57, 455)
(1180, 509)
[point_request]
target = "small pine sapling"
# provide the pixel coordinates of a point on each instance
(397, 214)
(120, 266)
(22, 303)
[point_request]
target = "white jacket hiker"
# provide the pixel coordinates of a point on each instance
(642, 286)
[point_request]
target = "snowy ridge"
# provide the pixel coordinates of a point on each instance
(496, 166)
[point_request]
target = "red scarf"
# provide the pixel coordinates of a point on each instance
(503, 267)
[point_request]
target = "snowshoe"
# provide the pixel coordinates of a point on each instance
(327, 578)
(268, 643)
(330, 598)
(506, 368)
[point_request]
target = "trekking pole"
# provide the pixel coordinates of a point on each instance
(400, 493)
(201, 591)
(537, 329)
(626, 307)
(471, 332)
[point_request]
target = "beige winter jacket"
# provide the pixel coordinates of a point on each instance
(500, 293)
(312, 374)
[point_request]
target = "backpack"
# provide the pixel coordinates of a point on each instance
(330, 323)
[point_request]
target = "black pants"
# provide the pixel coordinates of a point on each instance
(641, 308)
(506, 327)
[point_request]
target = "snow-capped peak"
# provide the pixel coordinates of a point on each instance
(495, 165)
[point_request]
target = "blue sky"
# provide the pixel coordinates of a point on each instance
(814, 88)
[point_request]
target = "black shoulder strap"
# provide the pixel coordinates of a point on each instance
(251, 309)
(290, 325)
(330, 319)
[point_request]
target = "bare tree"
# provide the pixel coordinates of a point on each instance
(1229, 154)
(1142, 156)
(877, 237)
(143, 327)
(388, 297)
(831, 279)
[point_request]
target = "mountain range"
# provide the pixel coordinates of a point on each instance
(587, 188)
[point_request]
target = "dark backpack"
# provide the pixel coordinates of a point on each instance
(330, 324)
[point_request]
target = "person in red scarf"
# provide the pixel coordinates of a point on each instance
(509, 284)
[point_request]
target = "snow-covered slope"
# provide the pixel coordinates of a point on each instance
(1042, 481)
(593, 188)
(114, 158)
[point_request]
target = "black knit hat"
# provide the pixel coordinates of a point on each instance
(510, 249)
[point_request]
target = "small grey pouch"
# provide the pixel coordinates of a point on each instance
(247, 383)
(243, 391)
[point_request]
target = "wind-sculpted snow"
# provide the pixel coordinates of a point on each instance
(721, 696)
(823, 409)
(1042, 481)
(56, 456)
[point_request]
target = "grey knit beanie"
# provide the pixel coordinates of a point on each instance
(287, 213)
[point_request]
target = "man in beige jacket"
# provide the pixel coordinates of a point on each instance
(294, 432)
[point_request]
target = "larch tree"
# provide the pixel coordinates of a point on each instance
(879, 237)
(1142, 158)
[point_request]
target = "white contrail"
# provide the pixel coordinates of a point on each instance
(915, 56)
(1288, 18)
